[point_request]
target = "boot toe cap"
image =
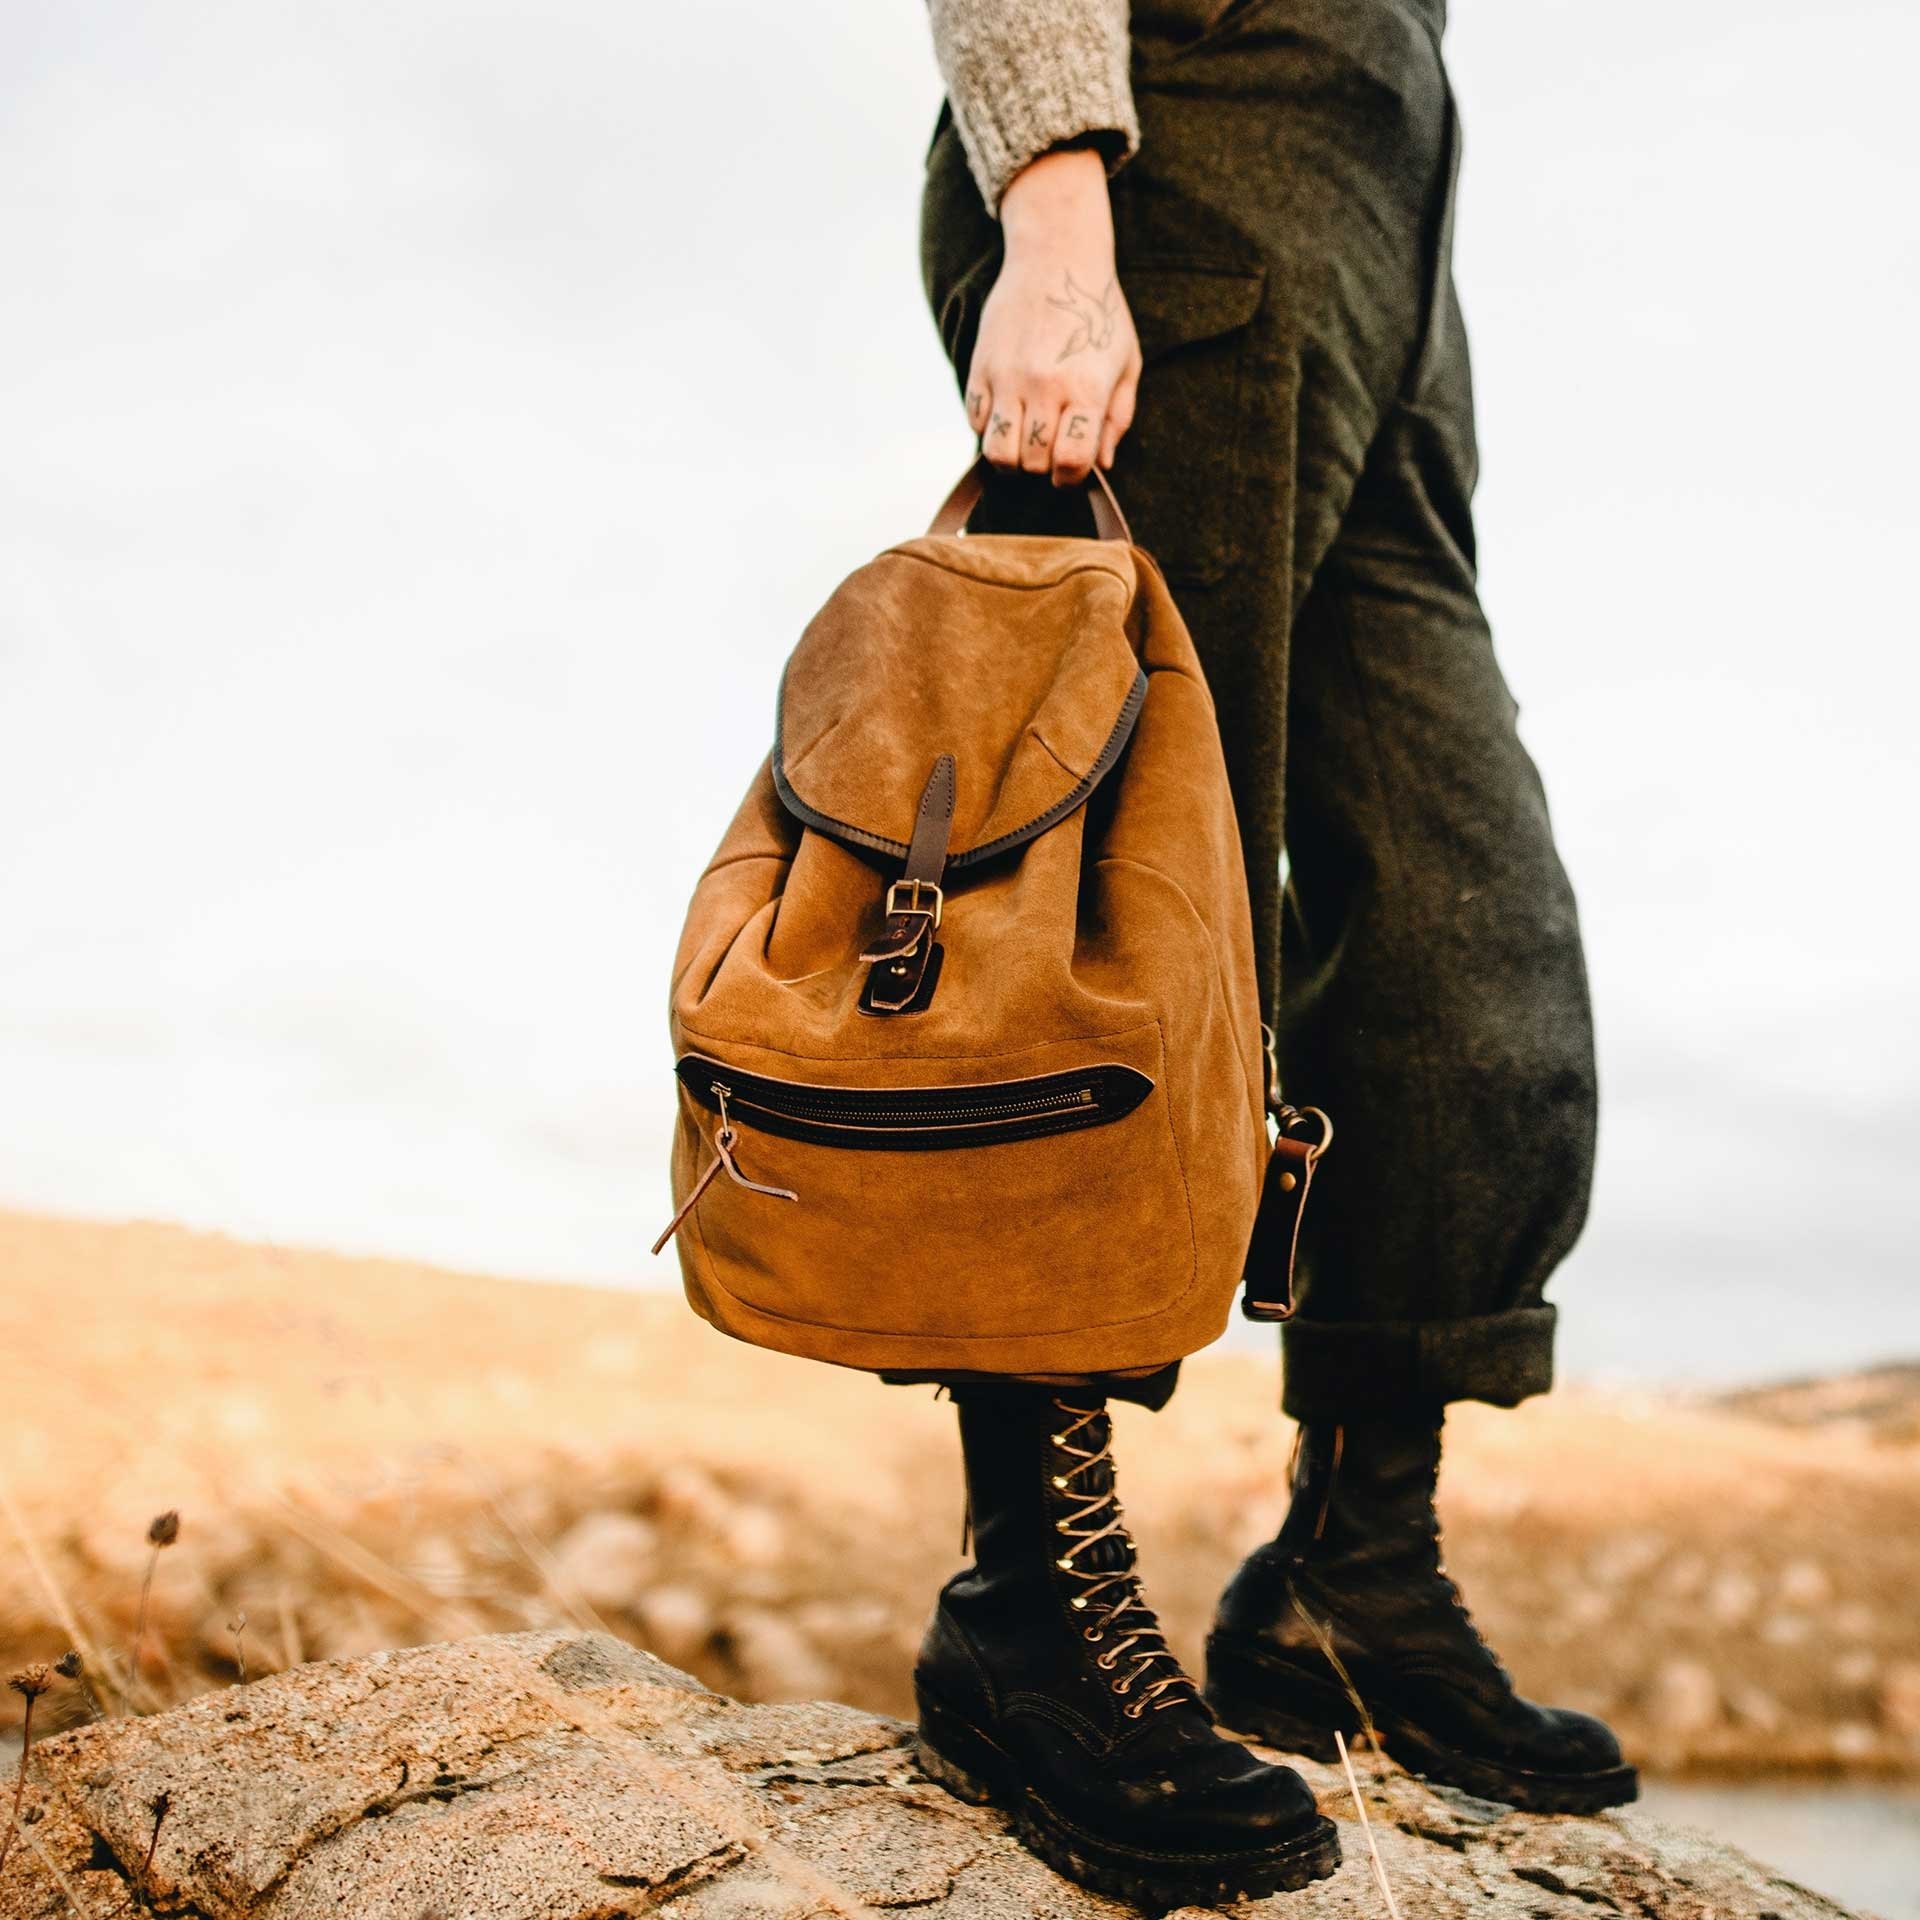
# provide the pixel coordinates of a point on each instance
(1244, 1803)
(1579, 1743)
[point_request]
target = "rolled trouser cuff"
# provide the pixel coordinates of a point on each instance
(1335, 1369)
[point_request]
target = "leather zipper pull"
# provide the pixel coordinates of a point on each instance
(726, 1138)
(693, 1200)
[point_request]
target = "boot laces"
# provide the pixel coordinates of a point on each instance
(1110, 1596)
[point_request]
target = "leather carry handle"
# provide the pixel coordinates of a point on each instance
(1109, 523)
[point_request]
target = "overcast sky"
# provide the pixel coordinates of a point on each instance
(425, 428)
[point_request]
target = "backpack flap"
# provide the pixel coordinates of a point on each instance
(952, 701)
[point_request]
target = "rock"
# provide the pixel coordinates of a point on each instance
(1625, 1557)
(606, 1557)
(1900, 1699)
(1586, 1610)
(1854, 1621)
(1684, 1575)
(836, 1622)
(1732, 1597)
(776, 1660)
(556, 1775)
(675, 1619)
(1787, 1630)
(1755, 1707)
(1804, 1583)
(685, 1495)
(439, 1566)
(1684, 1698)
(689, 1500)
(755, 1537)
(1855, 1668)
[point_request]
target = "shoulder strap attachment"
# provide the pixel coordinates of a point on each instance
(1305, 1135)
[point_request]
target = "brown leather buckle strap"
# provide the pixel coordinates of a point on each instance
(1109, 523)
(1305, 1135)
(905, 959)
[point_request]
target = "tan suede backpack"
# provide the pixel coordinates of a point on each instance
(969, 1047)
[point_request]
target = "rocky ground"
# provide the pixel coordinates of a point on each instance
(365, 1454)
(556, 1775)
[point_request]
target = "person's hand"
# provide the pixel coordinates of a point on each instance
(1056, 364)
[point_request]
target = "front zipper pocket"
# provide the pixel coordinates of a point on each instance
(913, 1119)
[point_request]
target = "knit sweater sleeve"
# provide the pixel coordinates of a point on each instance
(1025, 75)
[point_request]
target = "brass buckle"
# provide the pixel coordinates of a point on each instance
(916, 888)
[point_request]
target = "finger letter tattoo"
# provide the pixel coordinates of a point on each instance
(976, 404)
(1037, 434)
(1093, 315)
(1001, 427)
(1077, 427)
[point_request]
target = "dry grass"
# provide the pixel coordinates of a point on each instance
(368, 1453)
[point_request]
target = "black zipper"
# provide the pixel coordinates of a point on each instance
(917, 1118)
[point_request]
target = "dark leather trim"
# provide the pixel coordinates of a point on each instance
(898, 984)
(1077, 796)
(901, 974)
(933, 824)
(915, 1119)
(1275, 1246)
(918, 1001)
(1116, 745)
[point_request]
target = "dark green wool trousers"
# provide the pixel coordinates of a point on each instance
(1301, 465)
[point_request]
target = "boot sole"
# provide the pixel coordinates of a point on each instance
(1298, 1712)
(974, 1768)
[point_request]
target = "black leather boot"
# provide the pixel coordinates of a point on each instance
(1046, 1687)
(1353, 1598)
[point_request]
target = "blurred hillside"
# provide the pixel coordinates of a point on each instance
(366, 1453)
